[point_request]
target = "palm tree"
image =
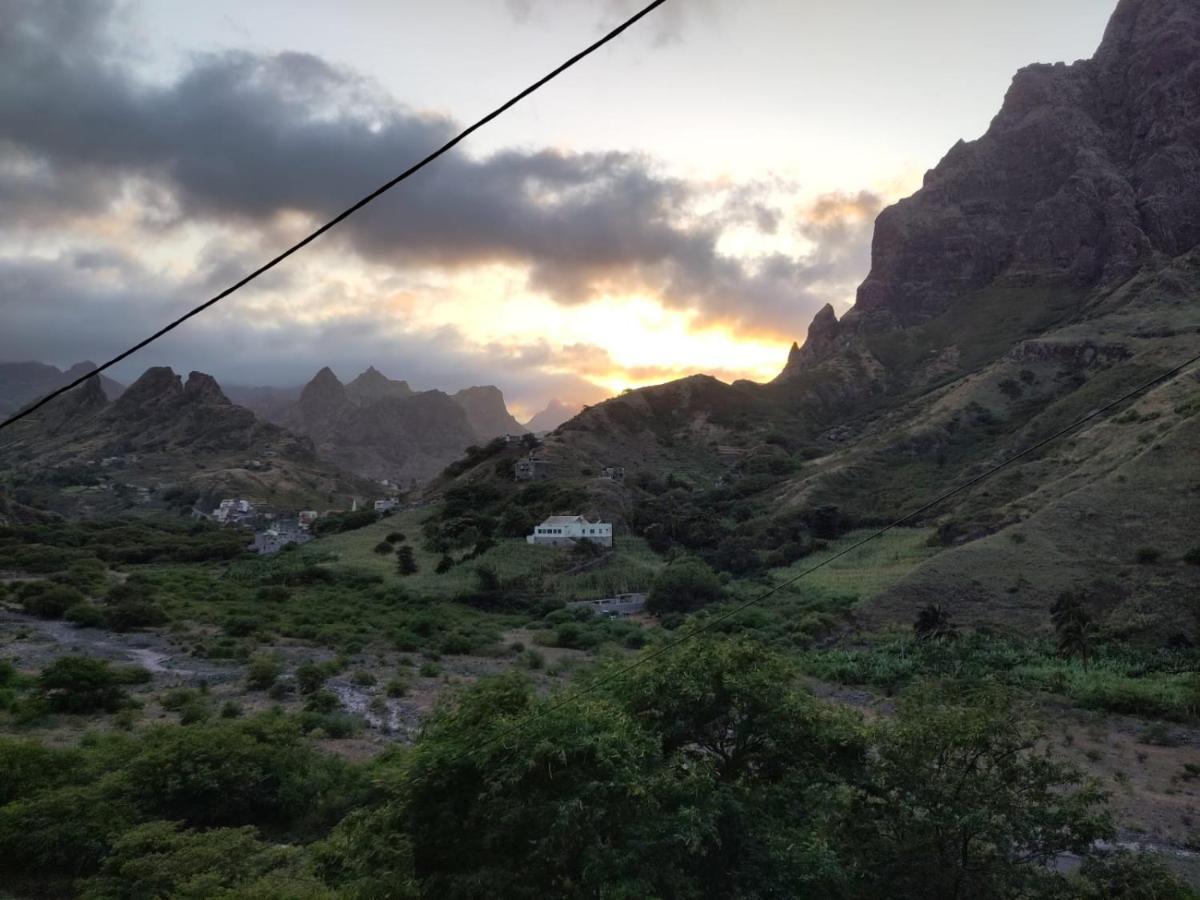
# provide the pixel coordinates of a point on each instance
(1073, 627)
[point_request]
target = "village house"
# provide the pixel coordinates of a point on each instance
(614, 473)
(306, 517)
(534, 467)
(565, 531)
(387, 505)
(278, 536)
(233, 511)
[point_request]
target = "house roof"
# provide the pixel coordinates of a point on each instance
(564, 520)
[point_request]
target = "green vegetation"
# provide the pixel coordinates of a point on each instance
(1161, 683)
(705, 774)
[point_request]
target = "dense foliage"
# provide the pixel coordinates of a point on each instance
(701, 774)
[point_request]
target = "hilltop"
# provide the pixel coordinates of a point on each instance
(163, 437)
(1040, 271)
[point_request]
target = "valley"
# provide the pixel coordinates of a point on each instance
(809, 679)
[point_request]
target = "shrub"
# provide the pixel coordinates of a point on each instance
(1147, 555)
(273, 593)
(85, 615)
(406, 563)
(444, 565)
(383, 548)
(262, 672)
(48, 601)
(363, 678)
(231, 709)
(81, 684)
(310, 677)
(396, 537)
(396, 687)
(683, 587)
(1192, 557)
(322, 701)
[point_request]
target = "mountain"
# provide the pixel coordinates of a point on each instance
(486, 412)
(555, 413)
(164, 433)
(1041, 271)
(23, 382)
(382, 429)
(372, 385)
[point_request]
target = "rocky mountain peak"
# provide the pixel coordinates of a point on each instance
(487, 412)
(373, 385)
(157, 385)
(322, 399)
(1089, 172)
(204, 388)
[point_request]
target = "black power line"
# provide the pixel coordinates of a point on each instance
(349, 211)
(663, 649)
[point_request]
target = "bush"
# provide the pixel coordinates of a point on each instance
(683, 587)
(81, 684)
(231, 709)
(444, 565)
(406, 563)
(48, 601)
(1192, 557)
(396, 537)
(383, 548)
(310, 677)
(396, 687)
(322, 701)
(1147, 555)
(263, 671)
(85, 615)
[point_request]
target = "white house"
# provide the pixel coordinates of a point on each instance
(386, 506)
(560, 531)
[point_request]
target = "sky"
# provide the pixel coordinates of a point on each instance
(683, 201)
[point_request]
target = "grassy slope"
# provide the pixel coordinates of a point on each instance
(631, 568)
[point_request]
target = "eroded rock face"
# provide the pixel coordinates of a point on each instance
(1088, 171)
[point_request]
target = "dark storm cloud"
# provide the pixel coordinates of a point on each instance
(241, 138)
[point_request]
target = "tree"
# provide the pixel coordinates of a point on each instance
(682, 587)
(383, 548)
(81, 684)
(1072, 626)
(962, 800)
(933, 623)
(445, 564)
(406, 561)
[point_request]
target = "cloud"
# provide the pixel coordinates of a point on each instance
(667, 24)
(242, 152)
(246, 138)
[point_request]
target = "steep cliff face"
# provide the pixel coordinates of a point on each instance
(486, 412)
(1088, 171)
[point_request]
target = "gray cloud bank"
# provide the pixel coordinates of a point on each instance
(237, 139)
